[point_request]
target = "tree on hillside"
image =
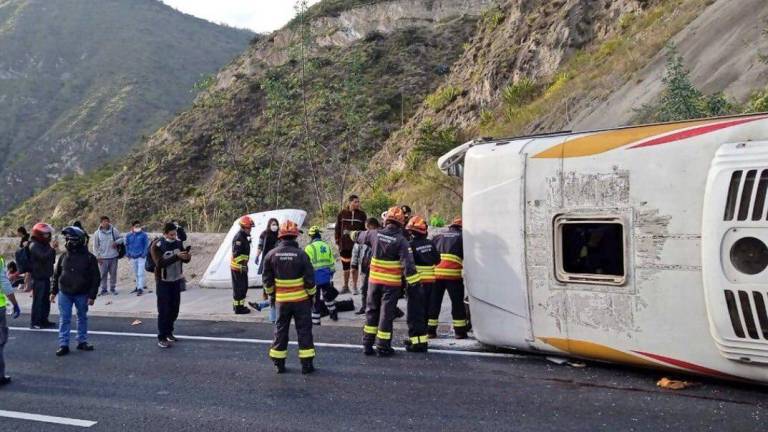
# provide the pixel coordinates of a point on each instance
(680, 99)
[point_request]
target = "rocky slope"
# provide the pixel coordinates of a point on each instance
(387, 86)
(82, 80)
(290, 123)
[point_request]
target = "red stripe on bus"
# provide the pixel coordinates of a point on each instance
(690, 133)
(686, 365)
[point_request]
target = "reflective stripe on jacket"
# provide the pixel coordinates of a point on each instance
(288, 273)
(451, 248)
(391, 257)
(241, 251)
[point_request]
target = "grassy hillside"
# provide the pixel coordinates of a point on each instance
(293, 135)
(81, 81)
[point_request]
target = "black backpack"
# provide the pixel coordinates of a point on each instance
(23, 259)
(149, 264)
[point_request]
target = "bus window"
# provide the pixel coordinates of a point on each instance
(590, 251)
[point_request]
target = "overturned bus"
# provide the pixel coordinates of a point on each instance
(641, 245)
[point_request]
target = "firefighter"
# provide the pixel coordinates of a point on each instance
(391, 259)
(241, 251)
(289, 279)
(426, 257)
(448, 278)
(321, 257)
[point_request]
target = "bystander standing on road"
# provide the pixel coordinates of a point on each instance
(42, 258)
(365, 252)
(105, 246)
(351, 218)
(6, 295)
(136, 246)
(76, 282)
(168, 254)
(267, 242)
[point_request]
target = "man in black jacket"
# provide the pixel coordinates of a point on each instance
(76, 281)
(42, 259)
(169, 254)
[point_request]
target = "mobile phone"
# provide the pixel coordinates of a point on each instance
(188, 248)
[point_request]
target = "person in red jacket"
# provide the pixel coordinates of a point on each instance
(352, 218)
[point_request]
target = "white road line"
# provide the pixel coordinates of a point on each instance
(269, 342)
(46, 419)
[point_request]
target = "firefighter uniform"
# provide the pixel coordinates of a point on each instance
(391, 259)
(449, 278)
(321, 257)
(426, 258)
(241, 251)
(290, 282)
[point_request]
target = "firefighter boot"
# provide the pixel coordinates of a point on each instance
(461, 332)
(416, 348)
(384, 351)
(280, 364)
(306, 366)
(241, 310)
(368, 350)
(334, 316)
(432, 332)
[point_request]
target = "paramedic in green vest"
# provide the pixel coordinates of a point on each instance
(322, 259)
(6, 295)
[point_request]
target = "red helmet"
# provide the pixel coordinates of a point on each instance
(457, 222)
(395, 214)
(417, 224)
(288, 229)
(42, 230)
(246, 222)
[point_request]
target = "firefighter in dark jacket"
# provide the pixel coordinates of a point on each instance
(426, 257)
(391, 259)
(241, 252)
(449, 278)
(289, 279)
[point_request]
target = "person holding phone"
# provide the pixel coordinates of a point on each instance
(169, 255)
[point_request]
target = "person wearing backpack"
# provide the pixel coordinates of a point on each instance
(108, 244)
(76, 282)
(168, 255)
(136, 244)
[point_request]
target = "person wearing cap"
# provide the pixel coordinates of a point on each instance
(241, 253)
(448, 277)
(322, 259)
(426, 257)
(391, 260)
(289, 280)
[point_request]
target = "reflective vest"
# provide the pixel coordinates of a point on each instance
(3, 300)
(320, 255)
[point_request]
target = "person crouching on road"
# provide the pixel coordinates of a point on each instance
(391, 259)
(241, 253)
(76, 282)
(6, 295)
(136, 246)
(324, 263)
(168, 254)
(426, 257)
(289, 279)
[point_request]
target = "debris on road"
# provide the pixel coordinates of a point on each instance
(669, 384)
(136, 322)
(576, 364)
(558, 360)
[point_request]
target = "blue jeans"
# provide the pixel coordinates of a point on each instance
(65, 317)
(138, 271)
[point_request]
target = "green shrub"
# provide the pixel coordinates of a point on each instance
(442, 97)
(377, 203)
(758, 102)
(437, 221)
(433, 141)
(492, 18)
(519, 93)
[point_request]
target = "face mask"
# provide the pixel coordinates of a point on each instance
(137, 230)
(273, 228)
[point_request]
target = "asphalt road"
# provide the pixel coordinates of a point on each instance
(212, 385)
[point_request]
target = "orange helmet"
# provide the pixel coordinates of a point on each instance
(417, 224)
(288, 229)
(246, 222)
(457, 222)
(395, 214)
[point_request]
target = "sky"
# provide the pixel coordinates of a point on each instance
(258, 15)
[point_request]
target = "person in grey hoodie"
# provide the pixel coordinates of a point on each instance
(105, 242)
